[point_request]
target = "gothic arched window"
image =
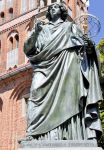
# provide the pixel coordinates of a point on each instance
(11, 13)
(16, 38)
(2, 15)
(32, 4)
(23, 6)
(11, 43)
(12, 54)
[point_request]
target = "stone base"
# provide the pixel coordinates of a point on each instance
(62, 144)
(77, 148)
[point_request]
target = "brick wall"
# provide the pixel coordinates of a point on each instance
(12, 120)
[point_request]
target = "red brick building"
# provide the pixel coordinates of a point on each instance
(15, 70)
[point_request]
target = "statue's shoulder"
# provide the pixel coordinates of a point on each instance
(67, 25)
(68, 22)
(45, 27)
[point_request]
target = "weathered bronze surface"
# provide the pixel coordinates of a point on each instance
(65, 89)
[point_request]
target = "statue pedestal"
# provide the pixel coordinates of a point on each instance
(57, 145)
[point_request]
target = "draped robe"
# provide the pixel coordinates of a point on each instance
(65, 84)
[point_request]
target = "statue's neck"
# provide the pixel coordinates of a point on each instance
(56, 20)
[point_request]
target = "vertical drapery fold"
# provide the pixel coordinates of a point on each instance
(64, 87)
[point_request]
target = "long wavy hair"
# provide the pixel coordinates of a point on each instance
(63, 9)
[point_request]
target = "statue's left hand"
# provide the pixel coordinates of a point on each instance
(89, 44)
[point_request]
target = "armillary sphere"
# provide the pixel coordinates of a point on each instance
(89, 24)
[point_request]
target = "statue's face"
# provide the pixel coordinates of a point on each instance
(55, 11)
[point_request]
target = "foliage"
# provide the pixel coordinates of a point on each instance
(101, 141)
(100, 46)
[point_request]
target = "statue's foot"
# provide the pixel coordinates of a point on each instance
(28, 138)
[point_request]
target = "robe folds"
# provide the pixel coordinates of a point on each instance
(65, 83)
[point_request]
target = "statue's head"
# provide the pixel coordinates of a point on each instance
(57, 10)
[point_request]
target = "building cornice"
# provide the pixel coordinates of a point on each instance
(20, 20)
(15, 71)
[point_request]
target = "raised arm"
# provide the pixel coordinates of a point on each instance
(30, 47)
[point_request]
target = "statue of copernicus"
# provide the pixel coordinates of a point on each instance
(65, 89)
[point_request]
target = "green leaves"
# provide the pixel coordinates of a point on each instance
(101, 141)
(100, 47)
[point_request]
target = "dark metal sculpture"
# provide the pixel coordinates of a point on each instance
(65, 89)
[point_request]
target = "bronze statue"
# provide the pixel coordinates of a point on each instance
(65, 89)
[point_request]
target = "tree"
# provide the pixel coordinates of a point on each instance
(100, 47)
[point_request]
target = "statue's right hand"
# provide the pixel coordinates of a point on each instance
(38, 26)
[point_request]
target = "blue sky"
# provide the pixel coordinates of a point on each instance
(97, 8)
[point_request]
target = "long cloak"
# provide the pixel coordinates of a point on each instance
(64, 83)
